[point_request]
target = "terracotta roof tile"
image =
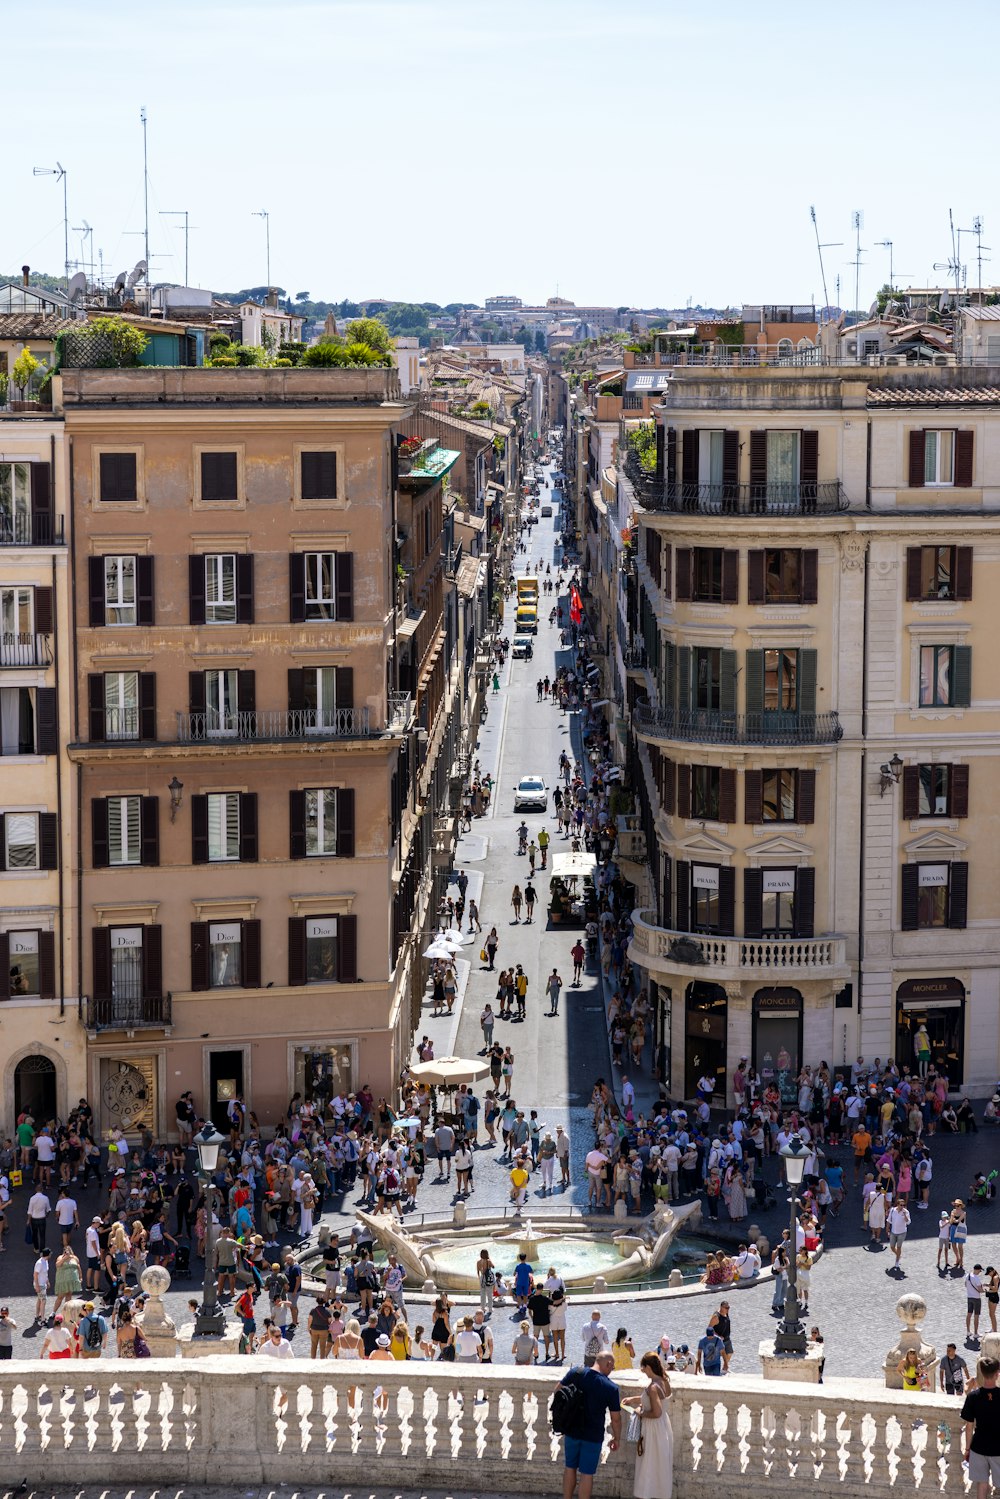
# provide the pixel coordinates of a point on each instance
(33, 324)
(934, 395)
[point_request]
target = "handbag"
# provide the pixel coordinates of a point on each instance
(633, 1430)
(482, 955)
(141, 1346)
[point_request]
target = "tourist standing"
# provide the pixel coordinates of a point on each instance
(654, 1464)
(582, 1446)
(981, 1414)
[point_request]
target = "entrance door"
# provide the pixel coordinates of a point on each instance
(35, 1089)
(705, 1039)
(225, 1081)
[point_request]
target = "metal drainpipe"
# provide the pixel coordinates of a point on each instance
(76, 731)
(864, 738)
(59, 788)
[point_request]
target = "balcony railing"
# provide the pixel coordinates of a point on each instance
(128, 1013)
(739, 356)
(400, 710)
(756, 499)
(736, 957)
(709, 726)
(25, 650)
(290, 723)
(40, 530)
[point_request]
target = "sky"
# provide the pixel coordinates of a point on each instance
(638, 152)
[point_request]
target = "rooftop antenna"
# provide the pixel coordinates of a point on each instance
(977, 230)
(58, 172)
(145, 183)
(84, 230)
(177, 213)
(262, 213)
(857, 224)
(819, 250)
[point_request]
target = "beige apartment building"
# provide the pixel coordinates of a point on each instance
(244, 759)
(815, 707)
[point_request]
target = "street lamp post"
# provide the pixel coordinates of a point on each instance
(211, 1319)
(791, 1335)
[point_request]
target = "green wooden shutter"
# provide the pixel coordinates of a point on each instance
(683, 678)
(755, 681)
(961, 676)
(807, 681)
(727, 682)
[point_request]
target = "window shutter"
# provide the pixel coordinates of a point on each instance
(958, 790)
(101, 978)
(219, 476)
(755, 577)
(958, 892)
(347, 949)
(690, 455)
(963, 573)
(666, 575)
(296, 951)
(48, 840)
(668, 781)
(755, 681)
(196, 590)
(199, 830)
(727, 681)
(95, 707)
(911, 791)
(43, 611)
(683, 561)
(251, 954)
(100, 850)
(244, 588)
(730, 577)
(4, 966)
(684, 678)
(758, 463)
(682, 883)
(344, 567)
(149, 826)
(200, 957)
(3, 844)
(671, 455)
(296, 824)
(914, 583)
(345, 687)
(345, 823)
(196, 692)
(661, 452)
(95, 588)
(684, 773)
(807, 681)
(246, 692)
(809, 460)
(47, 721)
(147, 705)
(42, 529)
(961, 676)
(805, 796)
(963, 460)
(665, 892)
(910, 897)
(727, 902)
(248, 827)
(753, 902)
(727, 795)
(915, 476)
(46, 965)
(730, 461)
(753, 796)
(145, 609)
(296, 689)
(152, 962)
(810, 576)
(319, 476)
(296, 587)
(805, 902)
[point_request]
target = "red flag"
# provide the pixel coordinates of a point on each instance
(575, 606)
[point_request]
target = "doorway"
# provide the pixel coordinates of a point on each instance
(225, 1082)
(706, 1017)
(938, 1004)
(35, 1089)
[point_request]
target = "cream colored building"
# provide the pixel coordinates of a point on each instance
(816, 721)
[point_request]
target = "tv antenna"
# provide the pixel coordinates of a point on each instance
(829, 245)
(953, 265)
(977, 231)
(84, 230)
(180, 213)
(145, 183)
(857, 224)
(59, 173)
(262, 213)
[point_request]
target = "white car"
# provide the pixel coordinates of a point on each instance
(523, 645)
(531, 794)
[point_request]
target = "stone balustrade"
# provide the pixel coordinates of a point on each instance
(160, 1422)
(697, 955)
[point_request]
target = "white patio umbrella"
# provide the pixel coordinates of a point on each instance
(449, 1072)
(438, 950)
(453, 935)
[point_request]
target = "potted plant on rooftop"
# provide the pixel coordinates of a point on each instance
(25, 366)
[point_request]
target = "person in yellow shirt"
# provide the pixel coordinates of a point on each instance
(543, 845)
(518, 1183)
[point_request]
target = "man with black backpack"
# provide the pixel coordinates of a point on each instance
(578, 1411)
(93, 1332)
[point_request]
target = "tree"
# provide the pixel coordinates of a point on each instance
(371, 331)
(541, 342)
(525, 338)
(302, 296)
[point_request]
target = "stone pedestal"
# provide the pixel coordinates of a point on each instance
(764, 1250)
(208, 1347)
(989, 1346)
(157, 1328)
(675, 1280)
(911, 1311)
(621, 1210)
(600, 1286)
(459, 1215)
(802, 1368)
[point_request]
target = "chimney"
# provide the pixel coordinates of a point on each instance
(271, 300)
(25, 269)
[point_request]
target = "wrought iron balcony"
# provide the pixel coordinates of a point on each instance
(290, 723)
(38, 530)
(709, 726)
(128, 1013)
(695, 954)
(400, 710)
(25, 650)
(763, 498)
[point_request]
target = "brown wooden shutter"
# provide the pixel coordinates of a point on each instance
(250, 945)
(690, 453)
(100, 847)
(661, 452)
(914, 572)
(911, 791)
(244, 588)
(201, 976)
(730, 461)
(809, 575)
(671, 455)
(915, 474)
(684, 774)
(4, 966)
(296, 951)
(43, 611)
(758, 461)
(684, 564)
(727, 902)
(144, 596)
(805, 902)
(809, 459)
(753, 796)
(756, 564)
(345, 687)
(296, 689)
(669, 782)
(296, 824)
(48, 840)
(963, 460)
(40, 481)
(199, 830)
(248, 827)
(730, 577)
(46, 721)
(296, 587)
(958, 892)
(347, 949)
(683, 900)
(101, 940)
(147, 705)
(246, 692)
(963, 573)
(152, 962)
(805, 796)
(3, 844)
(666, 573)
(149, 825)
(196, 692)
(219, 476)
(46, 965)
(95, 708)
(95, 589)
(344, 568)
(666, 890)
(753, 902)
(727, 795)
(910, 897)
(319, 476)
(345, 823)
(196, 590)
(958, 790)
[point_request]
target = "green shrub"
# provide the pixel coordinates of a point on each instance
(224, 361)
(283, 364)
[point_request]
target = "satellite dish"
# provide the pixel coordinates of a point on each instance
(119, 281)
(138, 270)
(77, 287)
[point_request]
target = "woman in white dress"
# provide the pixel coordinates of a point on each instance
(876, 1216)
(654, 1463)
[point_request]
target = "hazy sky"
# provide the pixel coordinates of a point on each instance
(630, 151)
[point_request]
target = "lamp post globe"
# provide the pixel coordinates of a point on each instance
(791, 1335)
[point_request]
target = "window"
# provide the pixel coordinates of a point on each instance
(225, 952)
(320, 689)
(21, 840)
(220, 589)
(706, 677)
(223, 826)
(778, 902)
(939, 457)
(121, 705)
(126, 964)
(779, 795)
(219, 476)
(321, 949)
(935, 791)
(933, 782)
(24, 966)
(124, 829)
(321, 822)
(705, 781)
(16, 614)
(221, 702)
(118, 477)
(938, 572)
(17, 721)
(934, 895)
(945, 676)
(782, 575)
(321, 585)
(705, 911)
(932, 898)
(707, 575)
(119, 591)
(15, 502)
(319, 476)
(710, 457)
(781, 681)
(783, 460)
